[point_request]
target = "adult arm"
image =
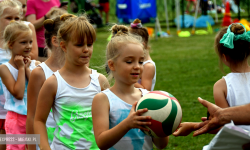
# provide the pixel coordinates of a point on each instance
(44, 103)
(34, 50)
(147, 77)
(105, 137)
(36, 81)
(219, 117)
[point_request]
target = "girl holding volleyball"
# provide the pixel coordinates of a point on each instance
(148, 77)
(70, 91)
(43, 72)
(15, 75)
(232, 44)
(113, 110)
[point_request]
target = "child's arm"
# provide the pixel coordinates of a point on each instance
(186, 128)
(36, 81)
(44, 103)
(105, 137)
(16, 88)
(160, 143)
(220, 93)
(103, 82)
(147, 77)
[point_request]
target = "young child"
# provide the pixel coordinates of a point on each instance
(70, 91)
(148, 78)
(43, 72)
(9, 10)
(113, 110)
(232, 46)
(15, 75)
(34, 51)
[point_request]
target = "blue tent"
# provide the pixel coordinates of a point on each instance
(128, 10)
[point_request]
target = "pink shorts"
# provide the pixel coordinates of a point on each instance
(15, 124)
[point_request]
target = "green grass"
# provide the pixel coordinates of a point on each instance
(186, 68)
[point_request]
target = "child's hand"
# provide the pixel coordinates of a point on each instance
(19, 61)
(27, 61)
(185, 129)
(135, 120)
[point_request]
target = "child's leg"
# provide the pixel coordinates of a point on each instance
(15, 124)
(2, 131)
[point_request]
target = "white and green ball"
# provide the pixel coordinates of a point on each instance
(165, 111)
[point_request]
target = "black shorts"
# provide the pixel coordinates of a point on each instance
(42, 52)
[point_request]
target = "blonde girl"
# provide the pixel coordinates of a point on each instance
(43, 72)
(70, 91)
(114, 117)
(15, 75)
(148, 77)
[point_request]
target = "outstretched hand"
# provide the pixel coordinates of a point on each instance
(213, 122)
(135, 120)
(185, 128)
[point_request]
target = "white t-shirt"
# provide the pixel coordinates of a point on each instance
(238, 90)
(13, 104)
(72, 113)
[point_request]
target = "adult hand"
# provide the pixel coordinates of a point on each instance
(214, 120)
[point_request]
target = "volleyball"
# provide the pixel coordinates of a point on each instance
(165, 111)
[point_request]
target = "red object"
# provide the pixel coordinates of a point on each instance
(227, 20)
(156, 126)
(105, 7)
(236, 20)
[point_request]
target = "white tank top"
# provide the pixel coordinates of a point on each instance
(238, 90)
(4, 58)
(134, 139)
(13, 104)
(72, 113)
(154, 79)
(50, 123)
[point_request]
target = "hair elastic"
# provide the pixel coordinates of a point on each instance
(229, 37)
(136, 25)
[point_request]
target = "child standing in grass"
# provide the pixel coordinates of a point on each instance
(232, 44)
(116, 124)
(70, 91)
(15, 75)
(148, 78)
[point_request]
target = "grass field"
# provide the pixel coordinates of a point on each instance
(186, 68)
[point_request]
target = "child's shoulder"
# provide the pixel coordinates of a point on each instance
(38, 73)
(37, 62)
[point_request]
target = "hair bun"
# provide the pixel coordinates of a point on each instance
(237, 28)
(137, 20)
(119, 30)
(49, 24)
(64, 17)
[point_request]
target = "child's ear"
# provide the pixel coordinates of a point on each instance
(10, 45)
(224, 58)
(54, 41)
(63, 46)
(111, 65)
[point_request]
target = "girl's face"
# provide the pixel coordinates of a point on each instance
(24, 6)
(8, 15)
(78, 53)
(128, 65)
(22, 45)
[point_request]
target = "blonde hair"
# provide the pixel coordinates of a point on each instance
(75, 29)
(11, 4)
(120, 36)
(12, 31)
